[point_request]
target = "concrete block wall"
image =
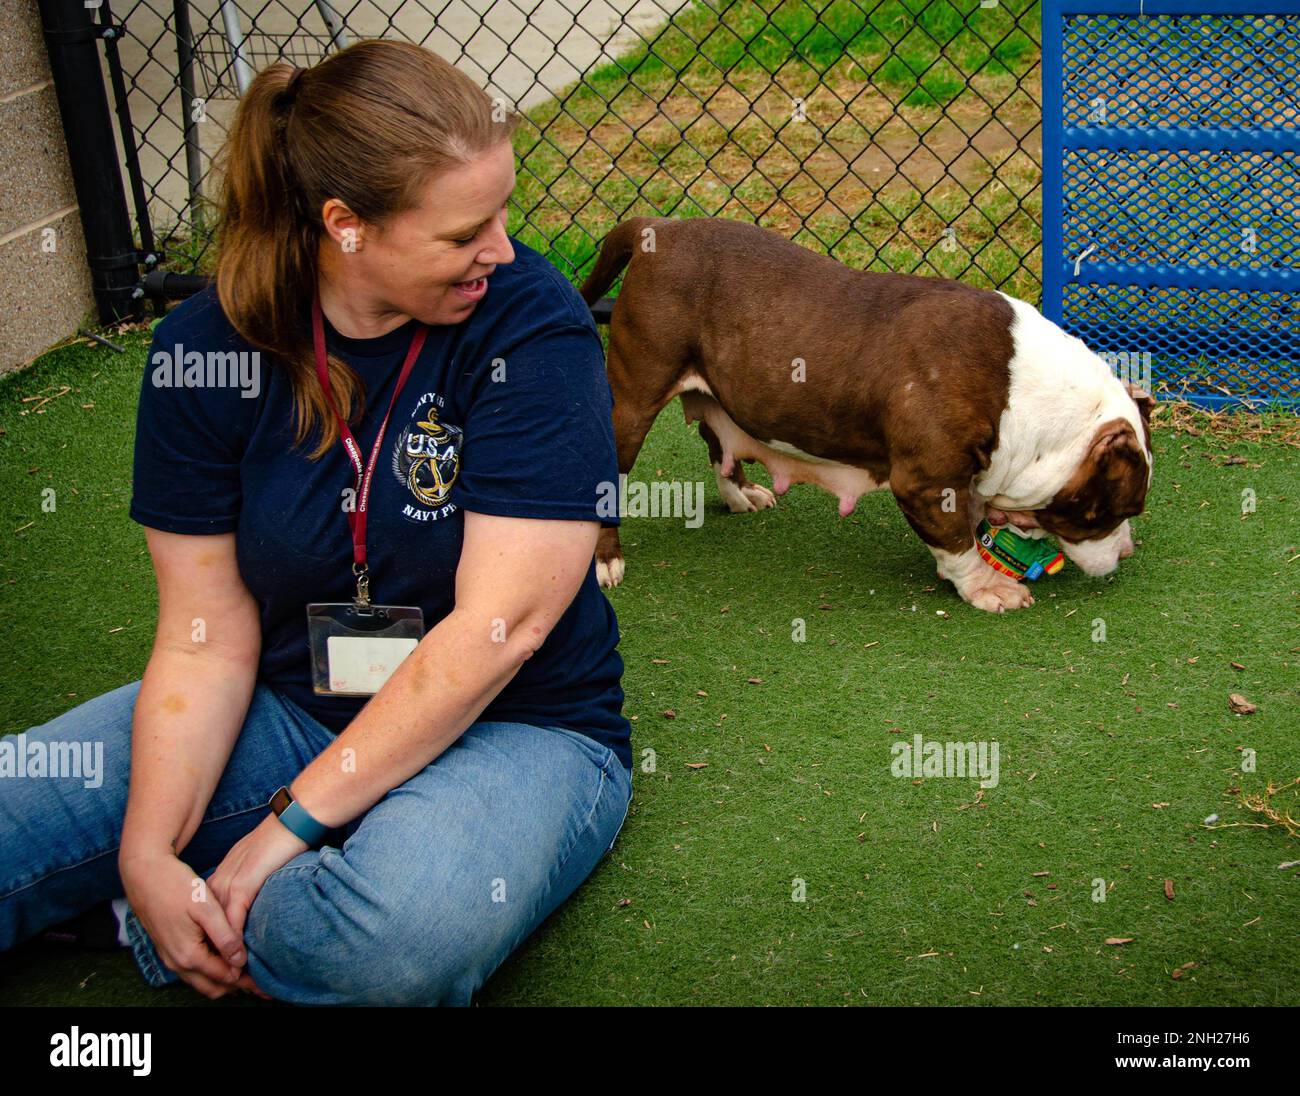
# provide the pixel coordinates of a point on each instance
(45, 290)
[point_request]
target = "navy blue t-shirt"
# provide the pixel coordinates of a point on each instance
(506, 413)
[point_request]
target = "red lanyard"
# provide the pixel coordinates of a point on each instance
(365, 472)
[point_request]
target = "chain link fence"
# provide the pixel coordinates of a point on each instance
(899, 135)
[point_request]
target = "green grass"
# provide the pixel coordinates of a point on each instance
(918, 117)
(694, 905)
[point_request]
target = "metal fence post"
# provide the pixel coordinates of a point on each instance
(72, 42)
(185, 67)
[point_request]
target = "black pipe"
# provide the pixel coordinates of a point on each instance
(72, 42)
(166, 285)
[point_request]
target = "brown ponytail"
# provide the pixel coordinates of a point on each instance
(370, 126)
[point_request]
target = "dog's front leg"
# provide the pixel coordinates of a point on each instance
(941, 515)
(980, 584)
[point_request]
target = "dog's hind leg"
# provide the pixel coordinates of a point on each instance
(639, 396)
(738, 493)
(631, 425)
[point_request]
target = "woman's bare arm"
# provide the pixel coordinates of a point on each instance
(196, 690)
(189, 712)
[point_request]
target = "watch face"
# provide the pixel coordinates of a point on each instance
(280, 801)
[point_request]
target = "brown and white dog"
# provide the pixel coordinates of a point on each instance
(960, 400)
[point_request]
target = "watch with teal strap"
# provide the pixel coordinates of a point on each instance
(295, 817)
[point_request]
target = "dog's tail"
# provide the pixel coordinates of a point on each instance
(615, 254)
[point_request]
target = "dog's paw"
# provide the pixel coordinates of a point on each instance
(744, 498)
(758, 496)
(996, 593)
(609, 572)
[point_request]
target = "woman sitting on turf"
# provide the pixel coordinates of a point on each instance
(285, 832)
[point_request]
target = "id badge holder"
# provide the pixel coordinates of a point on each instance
(356, 647)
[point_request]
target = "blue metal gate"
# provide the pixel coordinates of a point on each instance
(1171, 191)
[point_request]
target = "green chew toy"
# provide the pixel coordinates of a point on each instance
(1005, 549)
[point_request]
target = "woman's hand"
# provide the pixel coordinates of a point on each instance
(239, 877)
(189, 930)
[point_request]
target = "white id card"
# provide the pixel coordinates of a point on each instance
(354, 651)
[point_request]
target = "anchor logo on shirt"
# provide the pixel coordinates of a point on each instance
(427, 459)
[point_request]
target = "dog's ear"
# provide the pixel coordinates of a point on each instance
(1109, 484)
(1115, 441)
(1142, 399)
(1121, 467)
(1145, 405)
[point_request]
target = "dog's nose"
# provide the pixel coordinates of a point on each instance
(1100, 568)
(1091, 560)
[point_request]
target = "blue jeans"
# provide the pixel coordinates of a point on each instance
(432, 889)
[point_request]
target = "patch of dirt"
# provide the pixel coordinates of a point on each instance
(1227, 427)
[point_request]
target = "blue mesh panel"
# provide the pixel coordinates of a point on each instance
(1183, 70)
(1229, 209)
(1172, 190)
(1211, 346)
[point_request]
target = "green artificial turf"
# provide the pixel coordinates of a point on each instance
(1112, 753)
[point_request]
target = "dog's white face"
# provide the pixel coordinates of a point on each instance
(1078, 447)
(1090, 514)
(1101, 556)
(1098, 556)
